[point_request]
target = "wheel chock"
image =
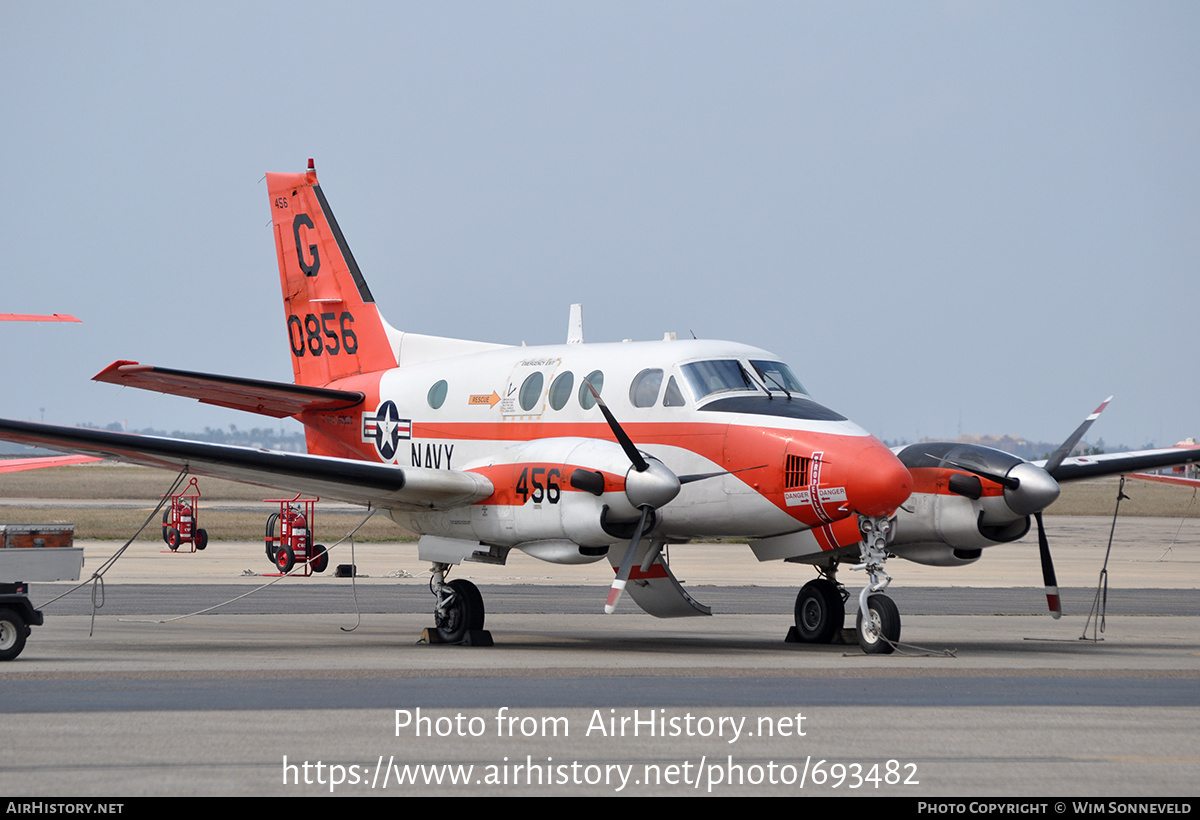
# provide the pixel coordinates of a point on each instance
(474, 637)
(841, 637)
(478, 637)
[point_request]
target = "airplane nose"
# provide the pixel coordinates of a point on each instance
(878, 482)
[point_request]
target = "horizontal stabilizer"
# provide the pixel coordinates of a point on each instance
(275, 399)
(358, 482)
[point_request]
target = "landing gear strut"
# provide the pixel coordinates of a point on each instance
(458, 614)
(878, 619)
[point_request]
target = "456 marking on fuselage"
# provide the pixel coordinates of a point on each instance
(531, 488)
(310, 334)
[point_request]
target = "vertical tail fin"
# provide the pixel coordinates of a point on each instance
(333, 326)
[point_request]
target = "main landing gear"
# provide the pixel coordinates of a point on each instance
(458, 614)
(821, 603)
(820, 609)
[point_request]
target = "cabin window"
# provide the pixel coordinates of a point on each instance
(674, 396)
(707, 378)
(437, 394)
(596, 379)
(531, 390)
(644, 390)
(560, 390)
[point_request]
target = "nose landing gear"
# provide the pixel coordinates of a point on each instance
(821, 603)
(878, 621)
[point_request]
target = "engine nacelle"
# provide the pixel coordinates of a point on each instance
(548, 492)
(966, 498)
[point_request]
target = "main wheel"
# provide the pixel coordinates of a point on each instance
(173, 539)
(12, 634)
(464, 612)
(320, 558)
(880, 635)
(820, 611)
(201, 539)
(285, 559)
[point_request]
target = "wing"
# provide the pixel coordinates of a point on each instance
(358, 482)
(1081, 467)
(276, 399)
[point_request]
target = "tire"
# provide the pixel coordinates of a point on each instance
(820, 611)
(12, 634)
(884, 633)
(285, 559)
(269, 538)
(464, 613)
(320, 558)
(173, 539)
(201, 539)
(166, 524)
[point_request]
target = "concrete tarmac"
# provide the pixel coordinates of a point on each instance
(293, 692)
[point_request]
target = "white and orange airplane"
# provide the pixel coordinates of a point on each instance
(578, 452)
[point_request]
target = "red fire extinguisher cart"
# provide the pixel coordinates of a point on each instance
(294, 542)
(179, 520)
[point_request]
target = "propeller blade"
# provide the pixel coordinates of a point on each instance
(688, 479)
(639, 463)
(618, 584)
(1048, 576)
(1064, 449)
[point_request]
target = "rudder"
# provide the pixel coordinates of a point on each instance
(334, 328)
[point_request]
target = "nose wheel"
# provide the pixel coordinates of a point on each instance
(879, 633)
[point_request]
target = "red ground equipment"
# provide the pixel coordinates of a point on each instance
(179, 520)
(294, 543)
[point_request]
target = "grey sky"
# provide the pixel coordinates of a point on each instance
(967, 215)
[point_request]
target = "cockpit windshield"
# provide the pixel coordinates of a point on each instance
(720, 376)
(727, 375)
(778, 376)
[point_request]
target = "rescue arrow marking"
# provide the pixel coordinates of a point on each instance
(490, 401)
